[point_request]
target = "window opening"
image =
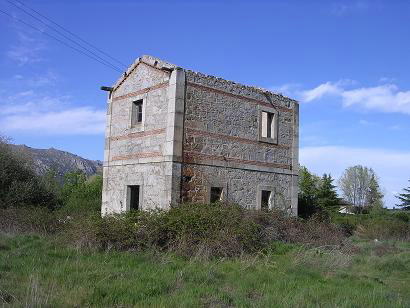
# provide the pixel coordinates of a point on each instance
(216, 194)
(136, 116)
(134, 197)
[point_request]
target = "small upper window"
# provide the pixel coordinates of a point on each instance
(136, 112)
(268, 126)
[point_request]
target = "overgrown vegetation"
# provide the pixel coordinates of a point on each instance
(19, 185)
(36, 271)
(404, 198)
(59, 251)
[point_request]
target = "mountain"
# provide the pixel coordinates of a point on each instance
(61, 162)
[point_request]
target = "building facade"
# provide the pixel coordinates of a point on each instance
(174, 135)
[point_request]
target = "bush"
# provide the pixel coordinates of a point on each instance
(19, 185)
(377, 225)
(199, 230)
(81, 195)
(39, 220)
(190, 230)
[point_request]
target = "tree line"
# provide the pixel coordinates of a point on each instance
(19, 185)
(359, 187)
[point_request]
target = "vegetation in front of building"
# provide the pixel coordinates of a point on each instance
(57, 250)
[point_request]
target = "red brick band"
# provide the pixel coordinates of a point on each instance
(195, 132)
(142, 91)
(195, 157)
(256, 101)
(137, 135)
(137, 155)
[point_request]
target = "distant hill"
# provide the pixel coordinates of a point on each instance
(62, 162)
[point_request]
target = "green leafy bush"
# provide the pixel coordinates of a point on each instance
(217, 230)
(19, 185)
(81, 195)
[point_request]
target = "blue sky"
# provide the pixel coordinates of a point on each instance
(347, 62)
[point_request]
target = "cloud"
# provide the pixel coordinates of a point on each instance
(393, 167)
(384, 98)
(324, 89)
(73, 121)
(38, 112)
(346, 8)
(27, 49)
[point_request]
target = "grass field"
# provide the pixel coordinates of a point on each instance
(37, 271)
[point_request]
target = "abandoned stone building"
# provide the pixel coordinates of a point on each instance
(174, 135)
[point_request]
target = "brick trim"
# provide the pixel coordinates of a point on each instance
(196, 157)
(137, 135)
(249, 99)
(196, 132)
(136, 156)
(142, 91)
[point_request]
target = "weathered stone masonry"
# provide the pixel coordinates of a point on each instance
(197, 132)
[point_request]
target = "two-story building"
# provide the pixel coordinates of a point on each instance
(174, 135)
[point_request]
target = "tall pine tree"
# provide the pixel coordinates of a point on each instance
(405, 198)
(326, 195)
(308, 185)
(374, 195)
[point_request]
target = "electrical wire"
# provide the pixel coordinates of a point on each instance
(65, 36)
(61, 41)
(71, 33)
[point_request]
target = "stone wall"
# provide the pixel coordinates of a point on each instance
(199, 131)
(140, 155)
(221, 143)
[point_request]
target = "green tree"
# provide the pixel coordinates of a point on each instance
(404, 198)
(358, 184)
(374, 194)
(19, 185)
(308, 189)
(80, 194)
(326, 194)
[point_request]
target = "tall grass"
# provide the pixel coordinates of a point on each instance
(37, 271)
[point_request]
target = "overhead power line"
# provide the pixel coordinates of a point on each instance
(65, 36)
(61, 41)
(69, 32)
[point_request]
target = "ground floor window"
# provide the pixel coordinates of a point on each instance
(266, 197)
(216, 194)
(266, 200)
(133, 194)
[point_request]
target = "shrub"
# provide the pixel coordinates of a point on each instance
(199, 230)
(80, 194)
(217, 230)
(19, 185)
(28, 220)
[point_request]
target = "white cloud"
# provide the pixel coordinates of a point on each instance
(74, 121)
(27, 49)
(343, 8)
(327, 88)
(40, 113)
(384, 98)
(366, 123)
(393, 167)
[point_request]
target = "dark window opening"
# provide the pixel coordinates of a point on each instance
(265, 202)
(134, 195)
(216, 194)
(136, 116)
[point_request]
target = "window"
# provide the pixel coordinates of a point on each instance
(266, 203)
(133, 193)
(268, 125)
(136, 112)
(216, 194)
